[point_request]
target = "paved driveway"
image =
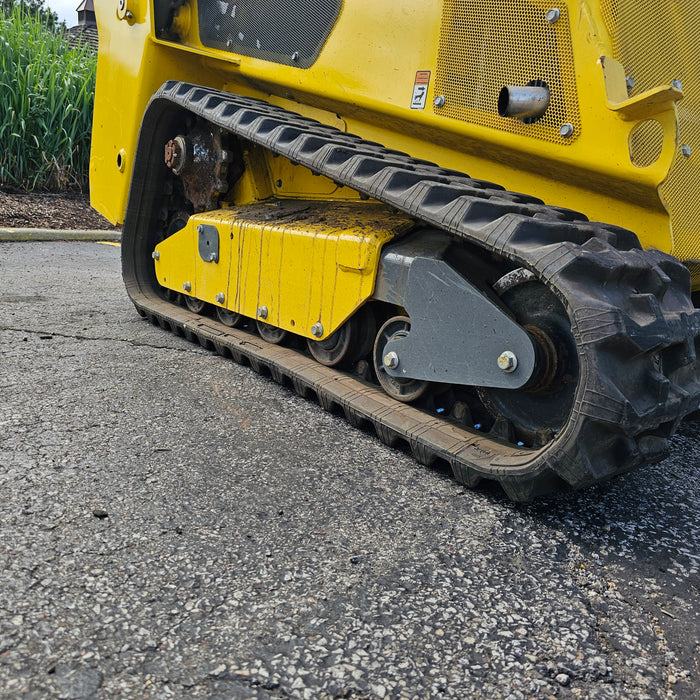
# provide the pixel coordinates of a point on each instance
(172, 524)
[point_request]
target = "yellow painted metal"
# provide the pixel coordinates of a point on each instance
(175, 262)
(616, 167)
(305, 262)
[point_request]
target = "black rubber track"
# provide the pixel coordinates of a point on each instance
(632, 319)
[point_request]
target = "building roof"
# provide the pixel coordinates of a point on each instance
(86, 6)
(83, 34)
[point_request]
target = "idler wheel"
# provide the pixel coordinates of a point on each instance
(350, 343)
(399, 388)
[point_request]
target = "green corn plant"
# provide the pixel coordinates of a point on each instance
(46, 98)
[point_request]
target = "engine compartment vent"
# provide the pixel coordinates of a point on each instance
(486, 45)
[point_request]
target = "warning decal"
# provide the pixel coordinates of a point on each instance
(420, 89)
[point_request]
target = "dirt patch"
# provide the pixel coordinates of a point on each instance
(51, 211)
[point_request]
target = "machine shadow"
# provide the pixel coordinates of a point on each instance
(647, 517)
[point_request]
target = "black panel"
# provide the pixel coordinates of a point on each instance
(284, 31)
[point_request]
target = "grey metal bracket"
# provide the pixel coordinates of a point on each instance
(208, 242)
(457, 335)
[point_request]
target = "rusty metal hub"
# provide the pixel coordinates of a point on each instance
(203, 164)
(175, 154)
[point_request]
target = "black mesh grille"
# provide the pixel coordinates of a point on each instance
(284, 31)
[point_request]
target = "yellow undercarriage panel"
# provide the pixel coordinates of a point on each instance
(292, 264)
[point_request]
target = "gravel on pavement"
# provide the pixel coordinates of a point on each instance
(174, 525)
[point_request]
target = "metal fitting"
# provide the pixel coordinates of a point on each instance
(220, 298)
(155, 255)
(317, 329)
(686, 151)
(439, 101)
(123, 10)
(677, 84)
(553, 15)
(176, 154)
(295, 57)
(523, 101)
(566, 131)
(262, 312)
(391, 360)
(200, 229)
(630, 83)
(507, 361)
(187, 287)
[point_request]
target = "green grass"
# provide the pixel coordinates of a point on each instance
(46, 97)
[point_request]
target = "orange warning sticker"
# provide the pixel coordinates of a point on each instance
(420, 89)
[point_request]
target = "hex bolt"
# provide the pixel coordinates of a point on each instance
(212, 257)
(229, 43)
(439, 101)
(630, 83)
(686, 151)
(677, 84)
(187, 287)
(155, 255)
(391, 360)
(507, 361)
(262, 312)
(317, 329)
(220, 298)
(200, 229)
(566, 130)
(129, 14)
(295, 57)
(553, 15)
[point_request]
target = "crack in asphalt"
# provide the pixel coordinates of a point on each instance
(47, 335)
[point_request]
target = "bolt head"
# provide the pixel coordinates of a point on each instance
(187, 287)
(317, 330)
(686, 151)
(220, 298)
(155, 255)
(439, 101)
(507, 361)
(391, 360)
(677, 84)
(295, 57)
(566, 130)
(553, 15)
(262, 312)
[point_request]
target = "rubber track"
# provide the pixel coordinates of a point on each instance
(631, 315)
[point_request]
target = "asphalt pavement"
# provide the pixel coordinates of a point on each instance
(174, 525)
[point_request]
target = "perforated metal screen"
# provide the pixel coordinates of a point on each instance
(646, 143)
(292, 32)
(656, 43)
(488, 44)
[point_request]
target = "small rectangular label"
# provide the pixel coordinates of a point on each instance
(420, 89)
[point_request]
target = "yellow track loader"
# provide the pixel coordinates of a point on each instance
(394, 208)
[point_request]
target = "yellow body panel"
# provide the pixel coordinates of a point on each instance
(304, 262)
(625, 147)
